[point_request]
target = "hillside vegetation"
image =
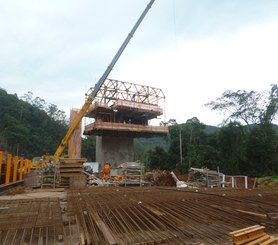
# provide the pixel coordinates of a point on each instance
(245, 144)
(28, 126)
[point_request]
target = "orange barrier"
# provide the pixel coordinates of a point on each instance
(21, 168)
(1, 161)
(13, 166)
(8, 169)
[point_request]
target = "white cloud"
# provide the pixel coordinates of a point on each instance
(194, 51)
(198, 72)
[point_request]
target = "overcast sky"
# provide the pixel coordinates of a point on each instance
(193, 50)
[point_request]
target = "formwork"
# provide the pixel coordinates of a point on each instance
(123, 108)
(124, 129)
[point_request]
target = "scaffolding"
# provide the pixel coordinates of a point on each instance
(124, 109)
(133, 173)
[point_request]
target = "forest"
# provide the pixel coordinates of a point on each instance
(246, 143)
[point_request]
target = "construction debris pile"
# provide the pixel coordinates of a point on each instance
(204, 177)
(125, 174)
(160, 178)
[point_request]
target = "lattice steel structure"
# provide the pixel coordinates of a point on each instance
(124, 109)
(113, 90)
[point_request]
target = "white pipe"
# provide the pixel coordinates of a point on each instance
(246, 183)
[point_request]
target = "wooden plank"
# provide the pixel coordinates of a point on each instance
(252, 213)
(271, 241)
(71, 170)
(247, 230)
(82, 240)
(247, 235)
(273, 216)
(80, 231)
(107, 233)
(259, 240)
(244, 229)
(71, 174)
(155, 211)
(51, 190)
(62, 166)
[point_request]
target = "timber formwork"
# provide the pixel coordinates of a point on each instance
(137, 216)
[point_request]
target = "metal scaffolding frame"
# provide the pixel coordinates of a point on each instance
(113, 90)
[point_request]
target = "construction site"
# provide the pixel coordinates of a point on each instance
(63, 199)
(138, 215)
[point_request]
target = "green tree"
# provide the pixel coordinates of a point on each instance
(195, 135)
(261, 150)
(88, 148)
(198, 147)
(271, 106)
(239, 105)
(139, 151)
(255, 151)
(231, 141)
(174, 149)
(27, 129)
(157, 158)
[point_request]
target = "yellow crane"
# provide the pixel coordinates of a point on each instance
(91, 97)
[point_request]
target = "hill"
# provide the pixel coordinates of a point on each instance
(29, 128)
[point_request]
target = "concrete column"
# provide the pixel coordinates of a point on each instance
(74, 149)
(114, 150)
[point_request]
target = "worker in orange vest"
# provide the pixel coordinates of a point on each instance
(106, 172)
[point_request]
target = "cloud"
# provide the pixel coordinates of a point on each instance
(193, 50)
(200, 71)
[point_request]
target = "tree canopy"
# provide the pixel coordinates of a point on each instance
(27, 128)
(246, 143)
(249, 107)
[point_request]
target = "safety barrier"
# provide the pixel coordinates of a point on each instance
(15, 168)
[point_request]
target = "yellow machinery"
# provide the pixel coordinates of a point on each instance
(91, 97)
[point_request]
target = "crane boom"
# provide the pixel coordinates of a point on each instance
(100, 82)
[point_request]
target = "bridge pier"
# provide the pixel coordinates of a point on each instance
(114, 150)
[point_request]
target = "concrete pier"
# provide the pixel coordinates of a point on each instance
(114, 150)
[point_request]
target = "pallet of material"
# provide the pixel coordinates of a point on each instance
(252, 235)
(71, 167)
(72, 160)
